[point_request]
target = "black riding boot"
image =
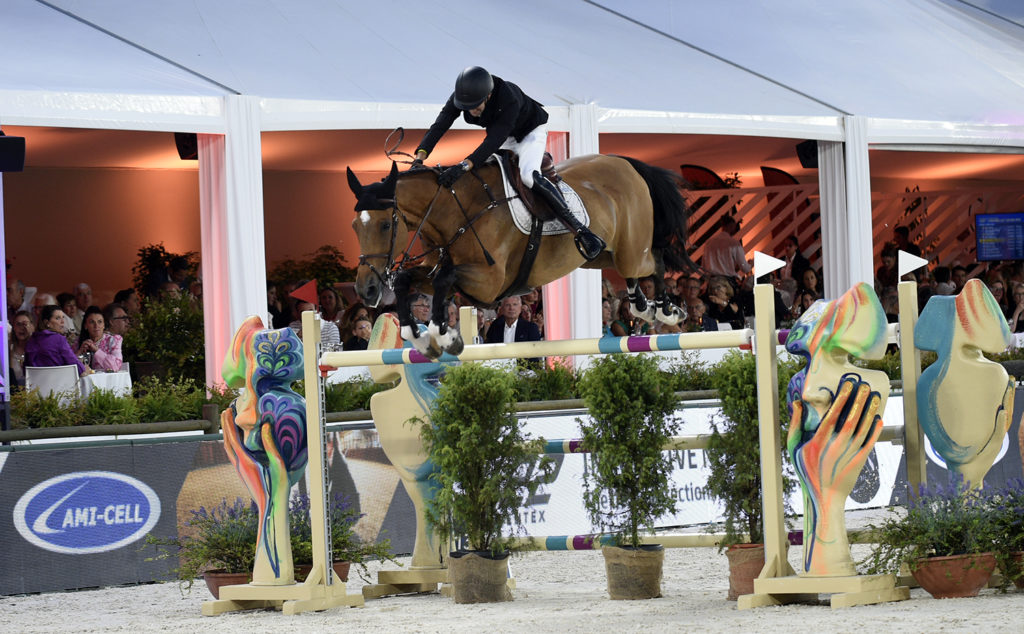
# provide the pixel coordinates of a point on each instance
(590, 246)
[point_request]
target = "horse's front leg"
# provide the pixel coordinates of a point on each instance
(410, 330)
(668, 312)
(447, 338)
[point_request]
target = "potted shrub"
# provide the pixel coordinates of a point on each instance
(346, 547)
(946, 537)
(1006, 510)
(219, 544)
(485, 467)
(626, 486)
(734, 460)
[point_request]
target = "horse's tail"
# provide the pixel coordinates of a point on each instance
(671, 215)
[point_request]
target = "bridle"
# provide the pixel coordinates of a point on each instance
(406, 260)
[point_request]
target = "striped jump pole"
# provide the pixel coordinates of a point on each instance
(558, 348)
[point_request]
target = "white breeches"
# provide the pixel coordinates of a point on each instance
(530, 152)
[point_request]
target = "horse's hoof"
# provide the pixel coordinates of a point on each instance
(456, 346)
(671, 315)
(647, 315)
(445, 340)
(432, 351)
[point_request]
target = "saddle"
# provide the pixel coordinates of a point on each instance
(535, 205)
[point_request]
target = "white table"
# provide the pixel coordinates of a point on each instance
(120, 383)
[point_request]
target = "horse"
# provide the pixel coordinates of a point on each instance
(471, 244)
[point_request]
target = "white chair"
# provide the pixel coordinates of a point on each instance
(62, 379)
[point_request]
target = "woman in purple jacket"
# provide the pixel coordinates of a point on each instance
(48, 346)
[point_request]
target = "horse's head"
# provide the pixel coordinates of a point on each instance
(380, 231)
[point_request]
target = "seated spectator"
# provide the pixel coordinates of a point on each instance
(66, 301)
(116, 319)
(331, 306)
(626, 324)
(18, 297)
(997, 287)
(943, 282)
(890, 300)
(83, 300)
(811, 281)
(1016, 319)
(606, 318)
(101, 348)
(697, 319)
(41, 301)
(129, 300)
(509, 328)
(21, 331)
(691, 292)
(886, 276)
(48, 347)
(360, 339)
(419, 304)
(356, 311)
(959, 277)
(721, 305)
(795, 261)
(803, 301)
(329, 335)
(278, 319)
(453, 314)
(169, 289)
(532, 300)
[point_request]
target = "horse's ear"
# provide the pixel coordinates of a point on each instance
(393, 174)
(353, 183)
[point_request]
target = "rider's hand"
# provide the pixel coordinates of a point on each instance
(417, 161)
(452, 174)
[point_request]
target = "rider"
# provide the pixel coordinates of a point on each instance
(515, 122)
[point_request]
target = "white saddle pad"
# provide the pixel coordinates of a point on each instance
(523, 218)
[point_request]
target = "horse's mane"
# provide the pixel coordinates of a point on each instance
(671, 214)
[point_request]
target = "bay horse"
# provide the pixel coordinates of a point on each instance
(470, 244)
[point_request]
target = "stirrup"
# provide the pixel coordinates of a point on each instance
(591, 251)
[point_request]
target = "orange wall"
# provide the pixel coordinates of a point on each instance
(65, 226)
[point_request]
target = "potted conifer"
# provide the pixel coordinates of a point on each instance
(485, 467)
(631, 406)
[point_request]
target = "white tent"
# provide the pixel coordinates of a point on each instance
(939, 74)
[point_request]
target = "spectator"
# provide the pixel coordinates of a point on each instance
(691, 292)
(811, 282)
(997, 287)
(101, 348)
(420, 306)
(331, 306)
(360, 339)
(22, 329)
(943, 281)
(129, 300)
(901, 239)
(175, 273)
(723, 253)
(606, 318)
(538, 320)
(697, 319)
(532, 299)
(509, 328)
(959, 278)
(453, 314)
(41, 301)
(803, 301)
(796, 263)
(66, 301)
(721, 305)
(83, 300)
(278, 319)
(18, 297)
(116, 319)
(626, 325)
(329, 335)
(890, 301)
(886, 275)
(169, 289)
(1017, 316)
(48, 347)
(348, 319)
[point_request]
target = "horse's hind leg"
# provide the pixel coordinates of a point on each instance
(638, 304)
(666, 312)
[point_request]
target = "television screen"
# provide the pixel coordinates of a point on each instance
(999, 236)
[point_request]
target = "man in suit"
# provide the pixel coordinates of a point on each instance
(508, 327)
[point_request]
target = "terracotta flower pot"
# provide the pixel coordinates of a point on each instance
(215, 579)
(634, 573)
(956, 575)
(745, 563)
(341, 570)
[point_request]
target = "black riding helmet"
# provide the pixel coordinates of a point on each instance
(472, 87)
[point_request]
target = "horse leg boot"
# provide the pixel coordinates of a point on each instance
(589, 245)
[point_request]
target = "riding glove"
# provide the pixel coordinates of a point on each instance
(452, 174)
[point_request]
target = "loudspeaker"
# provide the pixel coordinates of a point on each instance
(807, 152)
(12, 153)
(188, 146)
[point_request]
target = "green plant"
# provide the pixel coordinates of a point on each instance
(485, 464)
(152, 260)
(1006, 510)
(689, 372)
(169, 332)
(345, 544)
(160, 399)
(103, 407)
(221, 538)
(938, 521)
(546, 383)
(326, 265)
(631, 406)
(734, 448)
(32, 410)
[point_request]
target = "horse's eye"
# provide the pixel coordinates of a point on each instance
(386, 225)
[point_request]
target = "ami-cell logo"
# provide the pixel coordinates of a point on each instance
(86, 512)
